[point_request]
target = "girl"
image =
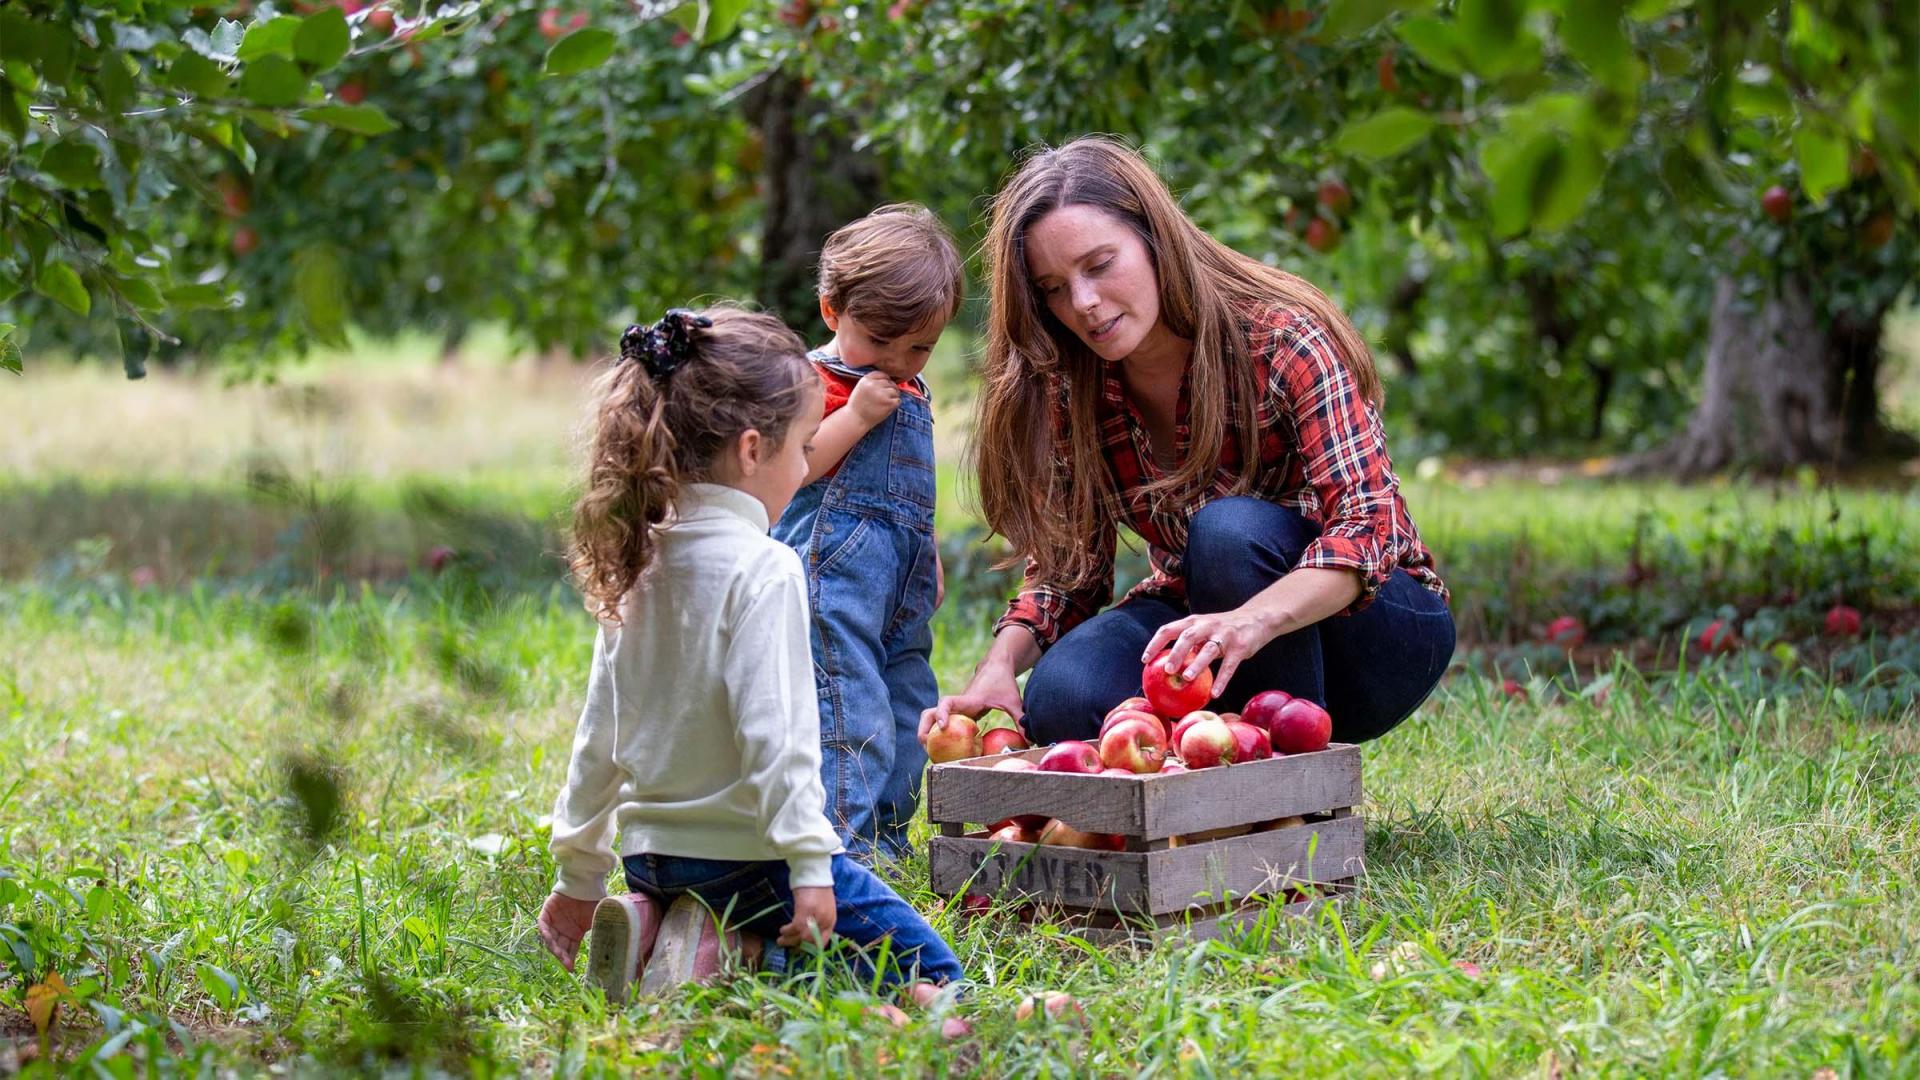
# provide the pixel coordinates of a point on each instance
(700, 739)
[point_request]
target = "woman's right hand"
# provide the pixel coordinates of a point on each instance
(991, 688)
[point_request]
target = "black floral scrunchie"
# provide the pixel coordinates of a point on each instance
(666, 344)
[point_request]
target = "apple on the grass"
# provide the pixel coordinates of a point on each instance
(957, 738)
(1300, 727)
(1250, 742)
(1172, 695)
(1137, 744)
(1071, 756)
(1055, 1004)
(1208, 743)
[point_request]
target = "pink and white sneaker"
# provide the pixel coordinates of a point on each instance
(692, 948)
(624, 930)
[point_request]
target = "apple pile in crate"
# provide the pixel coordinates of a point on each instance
(1175, 818)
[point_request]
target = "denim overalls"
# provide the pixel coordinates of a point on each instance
(866, 536)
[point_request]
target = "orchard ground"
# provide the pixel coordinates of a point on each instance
(275, 792)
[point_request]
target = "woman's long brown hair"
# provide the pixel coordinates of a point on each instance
(653, 436)
(1046, 507)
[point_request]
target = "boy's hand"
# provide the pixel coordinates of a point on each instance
(813, 915)
(563, 921)
(874, 398)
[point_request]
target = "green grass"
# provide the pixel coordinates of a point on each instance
(1666, 869)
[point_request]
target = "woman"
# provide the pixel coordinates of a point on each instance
(1140, 373)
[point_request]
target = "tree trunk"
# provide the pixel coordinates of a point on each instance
(1782, 390)
(814, 181)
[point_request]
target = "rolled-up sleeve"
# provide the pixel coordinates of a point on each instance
(1343, 455)
(1048, 611)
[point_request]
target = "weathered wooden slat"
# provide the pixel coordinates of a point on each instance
(1205, 799)
(1254, 864)
(1150, 882)
(1113, 880)
(964, 791)
(1151, 807)
(1199, 924)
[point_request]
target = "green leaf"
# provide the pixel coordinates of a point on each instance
(323, 39)
(359, 119)
(1591, 32)
(720, 18)
(582, 50)
(190, 296)
(1823, 161)
(9, 350)
(136, 344)
(1436, 42)
(61, 284)
(271, 38)
(1386, 133)
(197, 75)
(1346, 18)
(320, 284)
(74, 163)
(220, 985)
(1568, 176)
(273, 81)
(13, 114)
(140, 293)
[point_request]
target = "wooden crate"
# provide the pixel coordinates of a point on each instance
(1159, 884)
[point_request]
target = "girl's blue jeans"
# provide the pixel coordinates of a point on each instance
(890, 937)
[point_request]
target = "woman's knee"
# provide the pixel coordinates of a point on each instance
(1238, 546)
(1063, 701)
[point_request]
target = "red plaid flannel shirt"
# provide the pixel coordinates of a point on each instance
(1323, 453)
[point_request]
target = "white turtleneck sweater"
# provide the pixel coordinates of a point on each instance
(701, 732)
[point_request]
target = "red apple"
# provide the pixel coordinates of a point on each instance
(1172, 695)
(1173, 765)
(1384, 68)
(1300, 727)
(352, 92)
(1335, 196)
(1002, 739)
(1513, 689)
(245, 240)
(1777, 203)
(1060, 834)
(1071, 756)
(1116, 770)
(1133, 704)
(235, 197)
(973, 905)
(1124, 715)
(1843, 621)
(1567, 632)
(1208, 743)
(958, 738)
(1187, 721)
(1718, 637)
(1322, 235)
(1137, 744)
(1015, 764)
(439, 557)
(381, 19)
(1013, 832)
(1250, 743)
(555, 23)
(1262, 707)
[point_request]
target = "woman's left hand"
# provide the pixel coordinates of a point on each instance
(1196, 641)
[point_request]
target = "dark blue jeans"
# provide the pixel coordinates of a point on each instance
(890, 936)
(1370, 669)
